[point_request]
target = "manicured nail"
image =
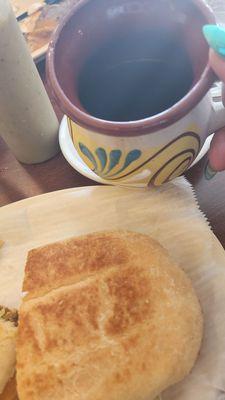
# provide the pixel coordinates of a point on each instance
(209, 172)
(215, 36)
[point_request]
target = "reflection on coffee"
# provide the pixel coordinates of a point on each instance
(135, 76)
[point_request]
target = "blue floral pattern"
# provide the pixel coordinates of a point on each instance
(105, 164)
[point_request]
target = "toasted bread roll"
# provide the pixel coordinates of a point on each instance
(106, 316)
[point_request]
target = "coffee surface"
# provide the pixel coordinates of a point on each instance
(135, 75)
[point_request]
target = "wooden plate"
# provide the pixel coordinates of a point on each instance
(169, 214)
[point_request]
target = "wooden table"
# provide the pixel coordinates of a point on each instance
(19, 181)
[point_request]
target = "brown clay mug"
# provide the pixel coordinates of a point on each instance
(133, 78)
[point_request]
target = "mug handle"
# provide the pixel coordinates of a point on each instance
(217, 119)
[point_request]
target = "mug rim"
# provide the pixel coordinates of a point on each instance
(128, 128)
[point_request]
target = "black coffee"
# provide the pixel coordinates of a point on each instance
(135, 76)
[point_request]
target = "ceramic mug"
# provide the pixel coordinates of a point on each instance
(153, 149)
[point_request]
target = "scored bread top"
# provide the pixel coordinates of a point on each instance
(106, 315)
(73, 260)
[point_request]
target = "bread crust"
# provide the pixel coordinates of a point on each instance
(10, 392)
(8, 330)
(106, 315)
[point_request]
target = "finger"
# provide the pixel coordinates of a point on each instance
(218, 64)
(215, 36)
(217, 151)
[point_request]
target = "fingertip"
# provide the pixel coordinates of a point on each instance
(215, 36)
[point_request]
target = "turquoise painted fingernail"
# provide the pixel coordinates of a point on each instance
(215, 36)
(209, 172)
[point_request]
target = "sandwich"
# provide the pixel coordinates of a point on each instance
(105, 315)
(8, 330)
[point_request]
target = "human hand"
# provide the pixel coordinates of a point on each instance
(215, 37)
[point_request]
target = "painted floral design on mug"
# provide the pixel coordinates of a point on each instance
(144, 132)
(108, 162)
(162, 163)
